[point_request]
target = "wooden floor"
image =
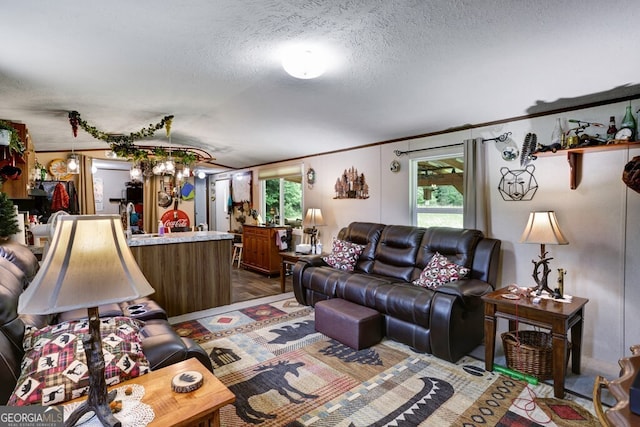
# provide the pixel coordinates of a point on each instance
(247, 285)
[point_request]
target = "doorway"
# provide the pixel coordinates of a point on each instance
(222, 218)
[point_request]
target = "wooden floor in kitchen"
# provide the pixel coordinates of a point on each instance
(247, 285)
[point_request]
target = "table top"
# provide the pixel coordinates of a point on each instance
(181, 409)
(294, 256)
(547, 305)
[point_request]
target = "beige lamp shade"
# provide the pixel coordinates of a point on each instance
(542, 228)
(314, 217)
(88, 264)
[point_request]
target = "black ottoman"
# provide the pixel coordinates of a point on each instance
(352, 324)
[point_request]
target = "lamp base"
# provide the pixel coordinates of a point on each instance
(103, 412)
(314, 240)
(541, 279)
(98, 400)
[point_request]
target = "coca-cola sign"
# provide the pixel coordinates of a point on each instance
(175, 219)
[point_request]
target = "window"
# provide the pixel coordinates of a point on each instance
(281, 201)
(437, 183)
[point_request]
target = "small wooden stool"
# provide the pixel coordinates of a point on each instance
(352, 324)
(237, 254)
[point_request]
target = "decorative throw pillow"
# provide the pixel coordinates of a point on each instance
(344, 255)
(440, 271)
(54, 367)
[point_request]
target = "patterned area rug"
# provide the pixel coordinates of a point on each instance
(284, 373)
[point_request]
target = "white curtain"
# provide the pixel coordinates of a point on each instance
(475, 186)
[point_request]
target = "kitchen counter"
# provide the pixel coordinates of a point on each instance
(190, 271)
(188, 236)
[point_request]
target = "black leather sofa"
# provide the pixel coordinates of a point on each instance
(160, 344)
(447, 321)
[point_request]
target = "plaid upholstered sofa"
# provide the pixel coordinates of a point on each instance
(142, 319)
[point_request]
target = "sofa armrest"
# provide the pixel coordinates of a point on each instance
(163, 347)
(194, 350)
(312, 261)
(468, 291)
(297, 273)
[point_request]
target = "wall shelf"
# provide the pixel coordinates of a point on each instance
(574, 157)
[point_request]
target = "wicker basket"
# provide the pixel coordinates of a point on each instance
(533, 355)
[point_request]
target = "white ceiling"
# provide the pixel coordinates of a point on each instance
(398, 68)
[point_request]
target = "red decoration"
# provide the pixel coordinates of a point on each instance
(175, 219)
(74, 121)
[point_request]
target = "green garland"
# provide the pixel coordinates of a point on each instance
(123, 145)
(76, 120)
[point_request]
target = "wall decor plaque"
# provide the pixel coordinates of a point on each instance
(351, 185)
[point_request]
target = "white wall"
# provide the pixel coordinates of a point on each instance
(600, 218)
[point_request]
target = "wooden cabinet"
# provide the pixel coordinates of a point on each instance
(260, 251)
(19, 188)
(187, 275)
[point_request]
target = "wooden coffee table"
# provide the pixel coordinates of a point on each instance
(199, 407)
(558, 317)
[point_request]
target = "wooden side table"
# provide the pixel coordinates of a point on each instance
(199, 407)
(558, 317)
(289, 259)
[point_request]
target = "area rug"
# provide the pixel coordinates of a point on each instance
(284, 373)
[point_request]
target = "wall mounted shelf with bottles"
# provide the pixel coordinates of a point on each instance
(574, 157)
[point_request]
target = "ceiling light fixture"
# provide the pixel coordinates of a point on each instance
(304, 63)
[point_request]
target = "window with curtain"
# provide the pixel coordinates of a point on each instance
(438, 188)
(281, 201)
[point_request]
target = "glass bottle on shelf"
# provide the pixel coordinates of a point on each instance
(628, 121)
(557, 136)
(612, 130)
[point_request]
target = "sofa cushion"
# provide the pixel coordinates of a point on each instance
(367, 234)
(396, 252)
(54, 367)
(21, 256)
(440, 271)
(344, 255)
(458, 245)
(404, 301)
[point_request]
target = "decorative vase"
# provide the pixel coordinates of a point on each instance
(628, 121)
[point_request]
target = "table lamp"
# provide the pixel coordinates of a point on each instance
(313, 218)
(88, 264)
(542, 228)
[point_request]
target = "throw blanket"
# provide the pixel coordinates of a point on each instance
(60, 198)
(281, 240)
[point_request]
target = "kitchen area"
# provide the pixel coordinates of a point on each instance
(188, 267)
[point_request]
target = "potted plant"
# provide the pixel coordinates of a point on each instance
(13, 139)
(8, 222)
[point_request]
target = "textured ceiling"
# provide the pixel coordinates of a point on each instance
(397, 69)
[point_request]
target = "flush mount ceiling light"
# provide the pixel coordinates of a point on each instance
(304, 62)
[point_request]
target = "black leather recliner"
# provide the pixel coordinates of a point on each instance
(446, 322)
(160, 344)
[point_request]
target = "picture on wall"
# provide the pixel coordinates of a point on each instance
(351, 185)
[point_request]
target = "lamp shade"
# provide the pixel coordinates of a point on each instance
(88, 264)
(314, 217)
(542, 228)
